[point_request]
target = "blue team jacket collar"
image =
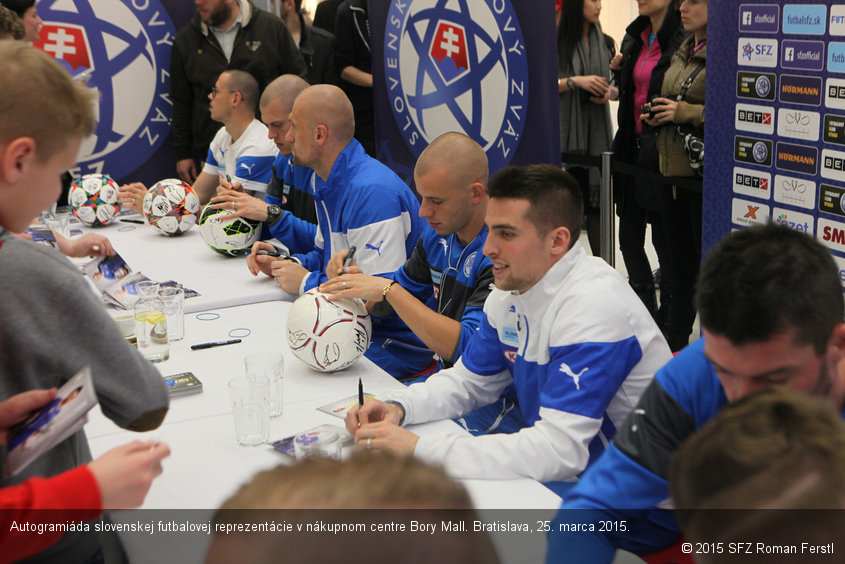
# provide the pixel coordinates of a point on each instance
(342, 170)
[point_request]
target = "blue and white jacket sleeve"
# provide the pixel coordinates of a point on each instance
(629, 481)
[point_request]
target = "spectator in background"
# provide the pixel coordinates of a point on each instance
(584, 55)
(649, 43)
(352, 60)
(28, 15)
(11, 26)
(325, 14)
(315, 44)
(368, 487)
(223, 34)
(681, 207)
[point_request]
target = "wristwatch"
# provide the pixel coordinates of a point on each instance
(274, 212)
(570, 83)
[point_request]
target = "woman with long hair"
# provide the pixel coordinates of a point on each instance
(646, 51)
(584, 55)
(682, 206)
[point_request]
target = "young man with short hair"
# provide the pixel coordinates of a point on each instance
(561, 326)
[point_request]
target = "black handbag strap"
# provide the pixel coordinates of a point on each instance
(688, 82)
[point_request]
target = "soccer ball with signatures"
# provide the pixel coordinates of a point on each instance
(171, 206)
(94, 199)
(326, 335)
(231, 237)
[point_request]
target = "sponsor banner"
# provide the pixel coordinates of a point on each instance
(831, 233)
(836, 56)
(840, 265)
(755, 85)
(802, 55)
(746, 213)
(833, 165)
(837, 20)
(749, 182)
(795, 220)
(443, 66)
(757, 52)
(759, 18)
(798, 192)
(834, 129)
(804, 19)
(752, 150)
(795, 89)
(797, 158)
(798, 124)
(756, 119)
(834, 93)
(832, 199)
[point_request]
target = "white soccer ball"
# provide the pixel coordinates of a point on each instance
(94, 199)
(326, 335)
(230, 238)
(171, 206)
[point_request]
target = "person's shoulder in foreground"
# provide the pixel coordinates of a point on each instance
(771, 309)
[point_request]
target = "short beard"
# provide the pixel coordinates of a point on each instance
(219, 16)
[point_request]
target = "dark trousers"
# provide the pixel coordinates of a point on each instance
(682, 227)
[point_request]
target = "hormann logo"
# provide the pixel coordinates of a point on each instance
(832, 233)
(804, 19)
(759, 18)
(833, 165)
(795, 89)
(794, 191)
(757, 119)
(797, 158)
(750, 182)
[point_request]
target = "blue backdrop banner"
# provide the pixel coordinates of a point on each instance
(775, 132)
(486, 68)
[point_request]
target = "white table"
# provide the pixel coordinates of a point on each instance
(207, 465)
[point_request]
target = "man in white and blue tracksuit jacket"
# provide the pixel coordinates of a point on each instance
(360, 202)
(771, 310)
(563, 327)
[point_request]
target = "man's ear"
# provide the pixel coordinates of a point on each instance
(560, 238)
(321, 134)
(477, 191)
(15, 157)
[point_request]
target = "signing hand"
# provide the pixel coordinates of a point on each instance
(373, 410)
(335, 265)
(132, 195)
(260, 263)
(288, 274)
(238, 203)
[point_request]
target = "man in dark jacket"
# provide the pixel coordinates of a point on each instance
(315, 44)
(223, 34)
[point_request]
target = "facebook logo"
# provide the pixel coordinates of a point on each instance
(789, 54)
(746, 18)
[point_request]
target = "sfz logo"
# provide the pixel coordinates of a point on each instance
(457, 66)
(124, 49)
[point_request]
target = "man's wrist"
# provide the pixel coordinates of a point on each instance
(401, 410)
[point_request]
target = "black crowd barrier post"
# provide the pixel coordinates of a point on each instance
(608, 225)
